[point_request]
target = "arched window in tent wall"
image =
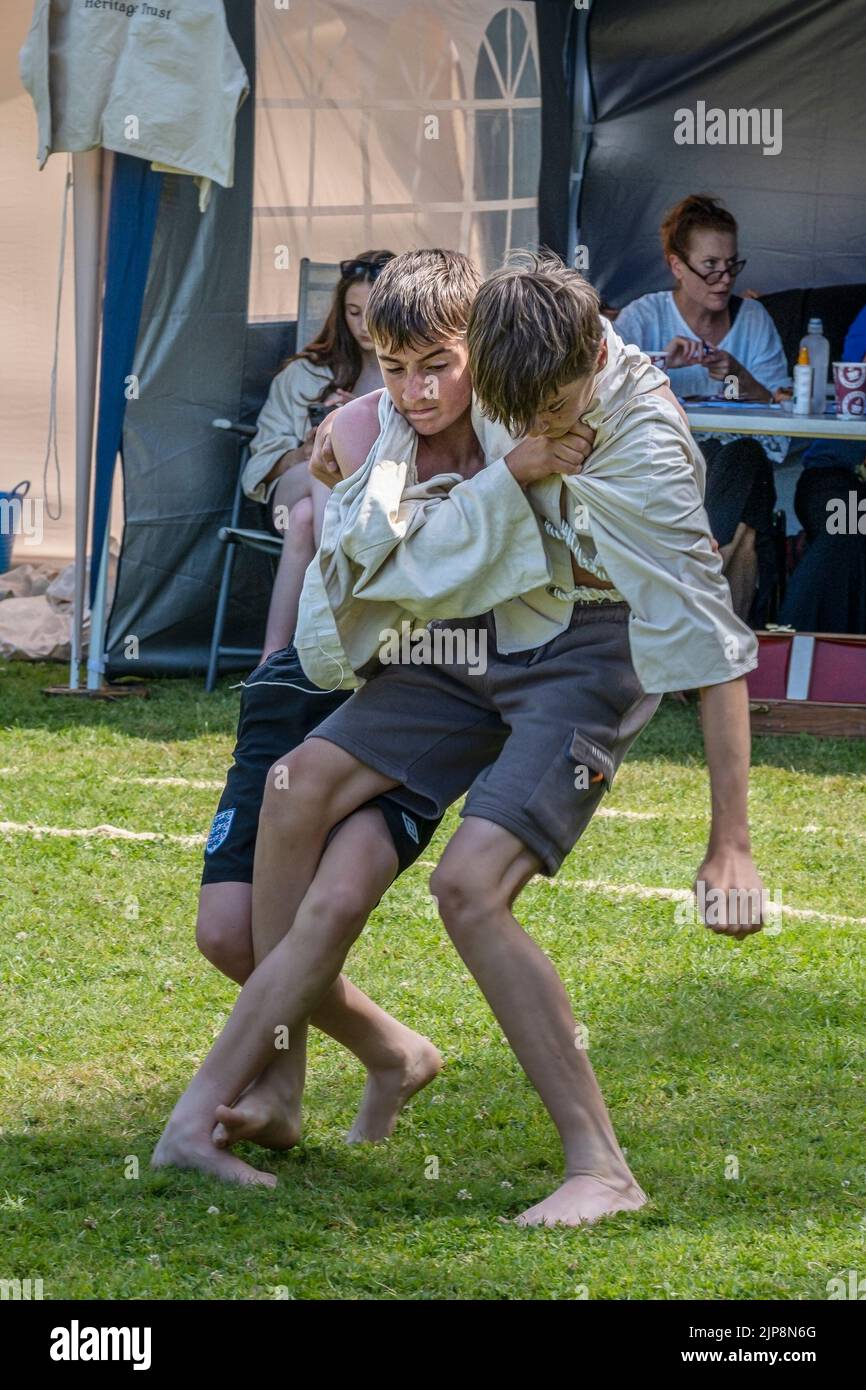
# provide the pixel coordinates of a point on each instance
(507, 96)
(383, 125)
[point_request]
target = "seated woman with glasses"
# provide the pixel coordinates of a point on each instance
(337, 365)
(716, 344)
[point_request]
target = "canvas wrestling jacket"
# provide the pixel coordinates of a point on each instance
(394, 549)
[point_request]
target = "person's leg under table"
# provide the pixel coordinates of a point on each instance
(739, 502)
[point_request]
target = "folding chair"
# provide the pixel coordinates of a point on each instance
(316, 286)
(231, 537)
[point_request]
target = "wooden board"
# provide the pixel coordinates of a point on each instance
(808, 717)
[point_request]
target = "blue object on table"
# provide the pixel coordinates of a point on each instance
(9, 523)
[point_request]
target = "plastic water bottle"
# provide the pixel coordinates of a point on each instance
(819, 360)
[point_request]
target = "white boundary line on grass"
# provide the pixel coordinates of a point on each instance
(597, 885)
(605, 812)
(197, 783)
(638, 890)
(642, 890)
(96, 832)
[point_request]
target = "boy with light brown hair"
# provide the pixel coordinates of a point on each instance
(611, 595)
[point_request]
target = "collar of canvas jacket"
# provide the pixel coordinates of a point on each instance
(627, 376)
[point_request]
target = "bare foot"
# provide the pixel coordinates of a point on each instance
(388, 1089)
(180, 1149)
(261, 1116)
(582, 1200)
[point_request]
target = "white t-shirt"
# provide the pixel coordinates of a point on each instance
(651, 321)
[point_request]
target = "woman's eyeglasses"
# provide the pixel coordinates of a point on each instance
(731, 268)
(371, 270)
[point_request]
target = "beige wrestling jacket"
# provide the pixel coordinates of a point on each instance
(395, 549)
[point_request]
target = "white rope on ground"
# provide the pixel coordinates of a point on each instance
(98, 832)
(642, 890)
(638, 890)
(596, 885)
(197, 784)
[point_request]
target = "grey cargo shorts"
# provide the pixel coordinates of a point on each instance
(535, 737)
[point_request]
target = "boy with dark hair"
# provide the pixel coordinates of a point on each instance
(610, 596)
(279, 707)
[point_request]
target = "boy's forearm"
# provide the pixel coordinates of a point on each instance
(727, 740)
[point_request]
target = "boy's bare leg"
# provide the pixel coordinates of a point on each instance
(279, 995)
(307, 793)
(395, 1056)
(480, 875)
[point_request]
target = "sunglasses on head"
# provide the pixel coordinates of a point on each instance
(351, 270)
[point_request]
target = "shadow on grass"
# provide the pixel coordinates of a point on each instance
(791, 1115)
(175, 710)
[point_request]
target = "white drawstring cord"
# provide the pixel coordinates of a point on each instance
(292, 685)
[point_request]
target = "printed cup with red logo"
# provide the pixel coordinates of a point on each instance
(850, 382)
(658, 359)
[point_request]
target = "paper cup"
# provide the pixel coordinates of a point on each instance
(658, 359)
(850, 382)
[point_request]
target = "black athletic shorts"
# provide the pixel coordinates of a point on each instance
(279, 708)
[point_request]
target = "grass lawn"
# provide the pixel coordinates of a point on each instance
(715, 1057)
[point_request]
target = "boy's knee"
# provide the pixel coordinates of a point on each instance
(463, 896)
(292, 787)
(742, 543)
(301, 519)
(222, 942)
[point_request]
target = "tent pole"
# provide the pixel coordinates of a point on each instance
(96, 648)
(87, 217)
(581, 126)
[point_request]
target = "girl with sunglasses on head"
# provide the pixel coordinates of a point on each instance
(713, 340)
(337, 365)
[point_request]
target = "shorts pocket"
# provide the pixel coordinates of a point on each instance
(598, 761)
(562, 802)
